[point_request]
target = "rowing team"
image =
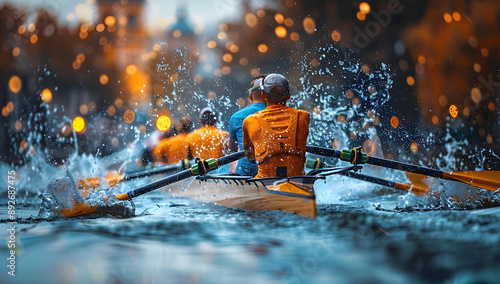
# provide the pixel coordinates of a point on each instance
(272, 134)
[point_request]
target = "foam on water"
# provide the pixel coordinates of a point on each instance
(62, 193)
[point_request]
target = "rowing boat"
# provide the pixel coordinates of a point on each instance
(289, 194)
(292, 195)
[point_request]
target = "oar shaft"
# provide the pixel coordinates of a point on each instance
(404, 167)
(369, 179)
(323, 151)
(159, 183)
(163, 170)
(378, 162)
(176, 177)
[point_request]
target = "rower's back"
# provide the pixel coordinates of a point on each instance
(279, 135)
(276, 136)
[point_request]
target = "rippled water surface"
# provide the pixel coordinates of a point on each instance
(357, 237)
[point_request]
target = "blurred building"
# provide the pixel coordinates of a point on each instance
(455, 48)
(125, 40)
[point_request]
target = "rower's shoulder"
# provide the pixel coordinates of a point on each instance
(303, 113)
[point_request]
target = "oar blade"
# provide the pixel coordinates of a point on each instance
(113, 178)
(65, 198)
(420, 184)
(489, 180)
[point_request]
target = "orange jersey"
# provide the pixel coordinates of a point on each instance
(208, 142)
(277, 136)
(172, 150)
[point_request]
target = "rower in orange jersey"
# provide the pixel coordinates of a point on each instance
(208, 141)
(276, 137)
(176, 148)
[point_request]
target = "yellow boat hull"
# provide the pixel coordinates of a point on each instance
(287, 196)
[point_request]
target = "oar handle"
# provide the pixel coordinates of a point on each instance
(177, 177)
(230, 158)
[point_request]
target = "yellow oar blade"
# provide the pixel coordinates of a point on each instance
(85, 186)
(419, 184)
(489, 180)
(113, 178)
(418, 189)
(421, 180)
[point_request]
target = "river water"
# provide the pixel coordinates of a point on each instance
(361, 235)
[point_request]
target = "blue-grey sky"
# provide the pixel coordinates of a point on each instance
(160, 13)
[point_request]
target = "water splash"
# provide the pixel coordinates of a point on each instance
(63, 194)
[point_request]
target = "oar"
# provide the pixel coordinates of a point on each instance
(113, 179)
(420, 189)
(202, 166)
(489, 180)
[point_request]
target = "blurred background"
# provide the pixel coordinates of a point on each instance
(411, 80)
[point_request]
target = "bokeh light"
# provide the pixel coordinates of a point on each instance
(103, 79)
(453, 111)
(410, 80)
(394, 122)
(280, 31)
(227, 57)
(131, 69)
(84, 109)
(309, 25)
(447, 17)
(361, 16)
(212, 44)
(129, 116)
(16, 51)
(414, 147)
(46, 95)
(336, 36)
(163, 123)
(78, 124)
(251, 20)
(475, 94)
(279, 18)
(15, 84)
(262, 48)
(364, 8)
(294, 36)
(110, 20)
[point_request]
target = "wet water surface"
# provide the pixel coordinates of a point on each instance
(173, 240)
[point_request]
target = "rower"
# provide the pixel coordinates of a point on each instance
(208, 141)
(175, 148)
(243, 167)
(276, 137)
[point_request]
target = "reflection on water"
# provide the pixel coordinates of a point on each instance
(181, 241)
